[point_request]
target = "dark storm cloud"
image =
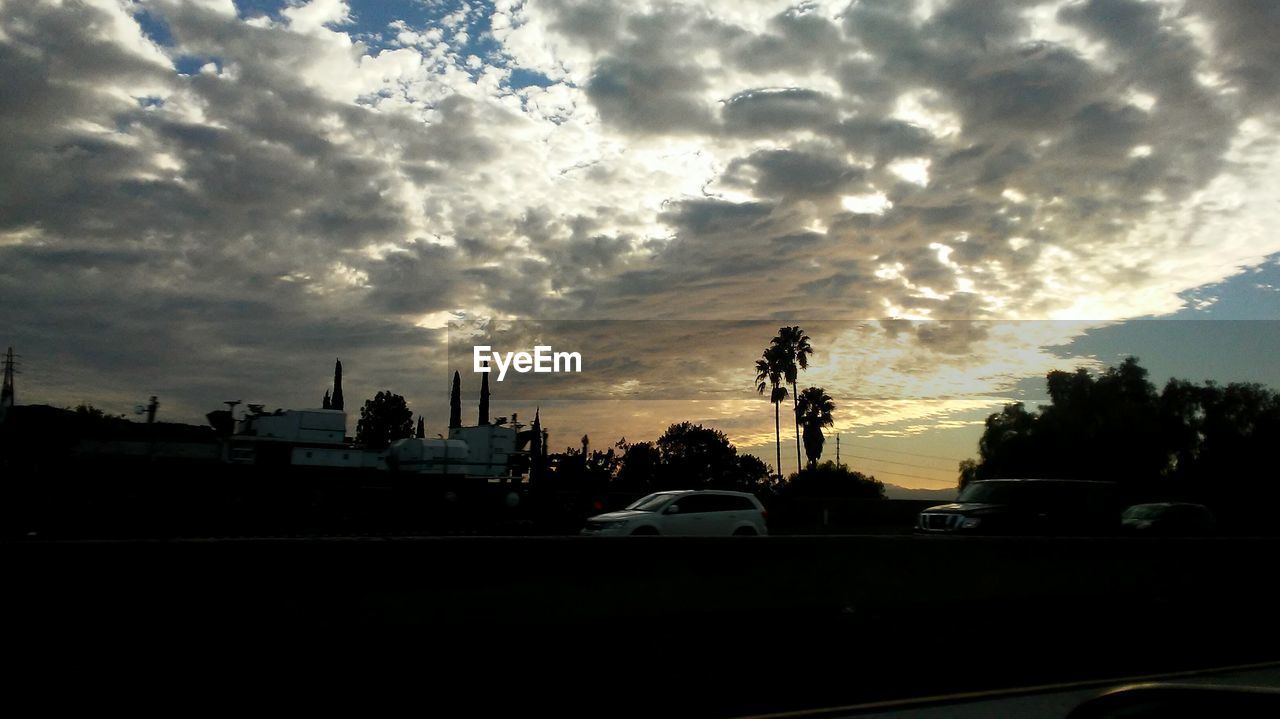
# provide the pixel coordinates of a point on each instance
(269, 173)
(1245, 34)
(789, 243)
(1035, 87)
(1030, 114)
(953, 338)
(762, 112)
(717, 217)
(641, 282)
(885, 139)
(924, 269)
(840, 282)
(981, 24)
(793, 173)
(866, 86)
(1195, 127)
(645, 85)
(420, 279)
(196, 254)
(1038, 118)
(456, 138)
(593, 23)
(658, 97)
(793, 41)
(596, 251)
(1102, 130)
(106, 328)
(51, 59)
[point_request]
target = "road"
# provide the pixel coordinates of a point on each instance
(1049, 702)
(713, 627)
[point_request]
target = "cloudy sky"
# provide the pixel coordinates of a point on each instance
(208, 200)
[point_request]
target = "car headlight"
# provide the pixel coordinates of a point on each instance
(970, 523)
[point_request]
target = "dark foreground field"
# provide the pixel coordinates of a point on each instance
(603, 627)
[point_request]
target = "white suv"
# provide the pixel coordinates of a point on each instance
(689, 512)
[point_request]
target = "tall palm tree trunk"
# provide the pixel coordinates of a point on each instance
(795, 399)
(777, 436)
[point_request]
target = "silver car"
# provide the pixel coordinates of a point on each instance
(700, 513)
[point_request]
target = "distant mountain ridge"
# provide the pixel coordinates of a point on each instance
(893, 491)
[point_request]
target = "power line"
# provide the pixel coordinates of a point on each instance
(916, 476)
(889, 461)
(904, 474)
(912, 454)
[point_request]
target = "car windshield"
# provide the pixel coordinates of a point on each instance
(990, 493)
(1146, 511)
(651, 503)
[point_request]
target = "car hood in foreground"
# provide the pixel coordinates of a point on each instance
(963, 508)
(620, 515)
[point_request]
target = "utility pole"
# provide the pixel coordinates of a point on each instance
(6, 394)
(837, 449)
(484, 400)
(152, 406)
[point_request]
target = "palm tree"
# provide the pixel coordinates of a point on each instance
(769, 374)
(794, 345)
(813, 410)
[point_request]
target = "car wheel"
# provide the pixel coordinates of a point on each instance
(644, 532)
(744, 532)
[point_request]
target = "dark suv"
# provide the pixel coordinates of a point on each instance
(1029, 507)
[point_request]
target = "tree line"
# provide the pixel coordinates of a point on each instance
(691, 456)
(1199, 442)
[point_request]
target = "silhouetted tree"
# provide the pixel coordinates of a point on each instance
(693, 457)
(1202, 443)
(769, 375)
(687, 456)
(383, 420)
(89, 412)
(221, 421)
(1231, 461)
(537, 461)
(1107, 427)
(813, 410)
(752, 474)
(326, 403)
(640, 466)
(455, 402)
(582, 470)
(1007, 447)
(968, 471)
(794, 350)
(337, 402)
(422, 428)
(484, 399)
(831, 480)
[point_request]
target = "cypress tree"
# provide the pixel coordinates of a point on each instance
(455, 402)
(336, 402)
